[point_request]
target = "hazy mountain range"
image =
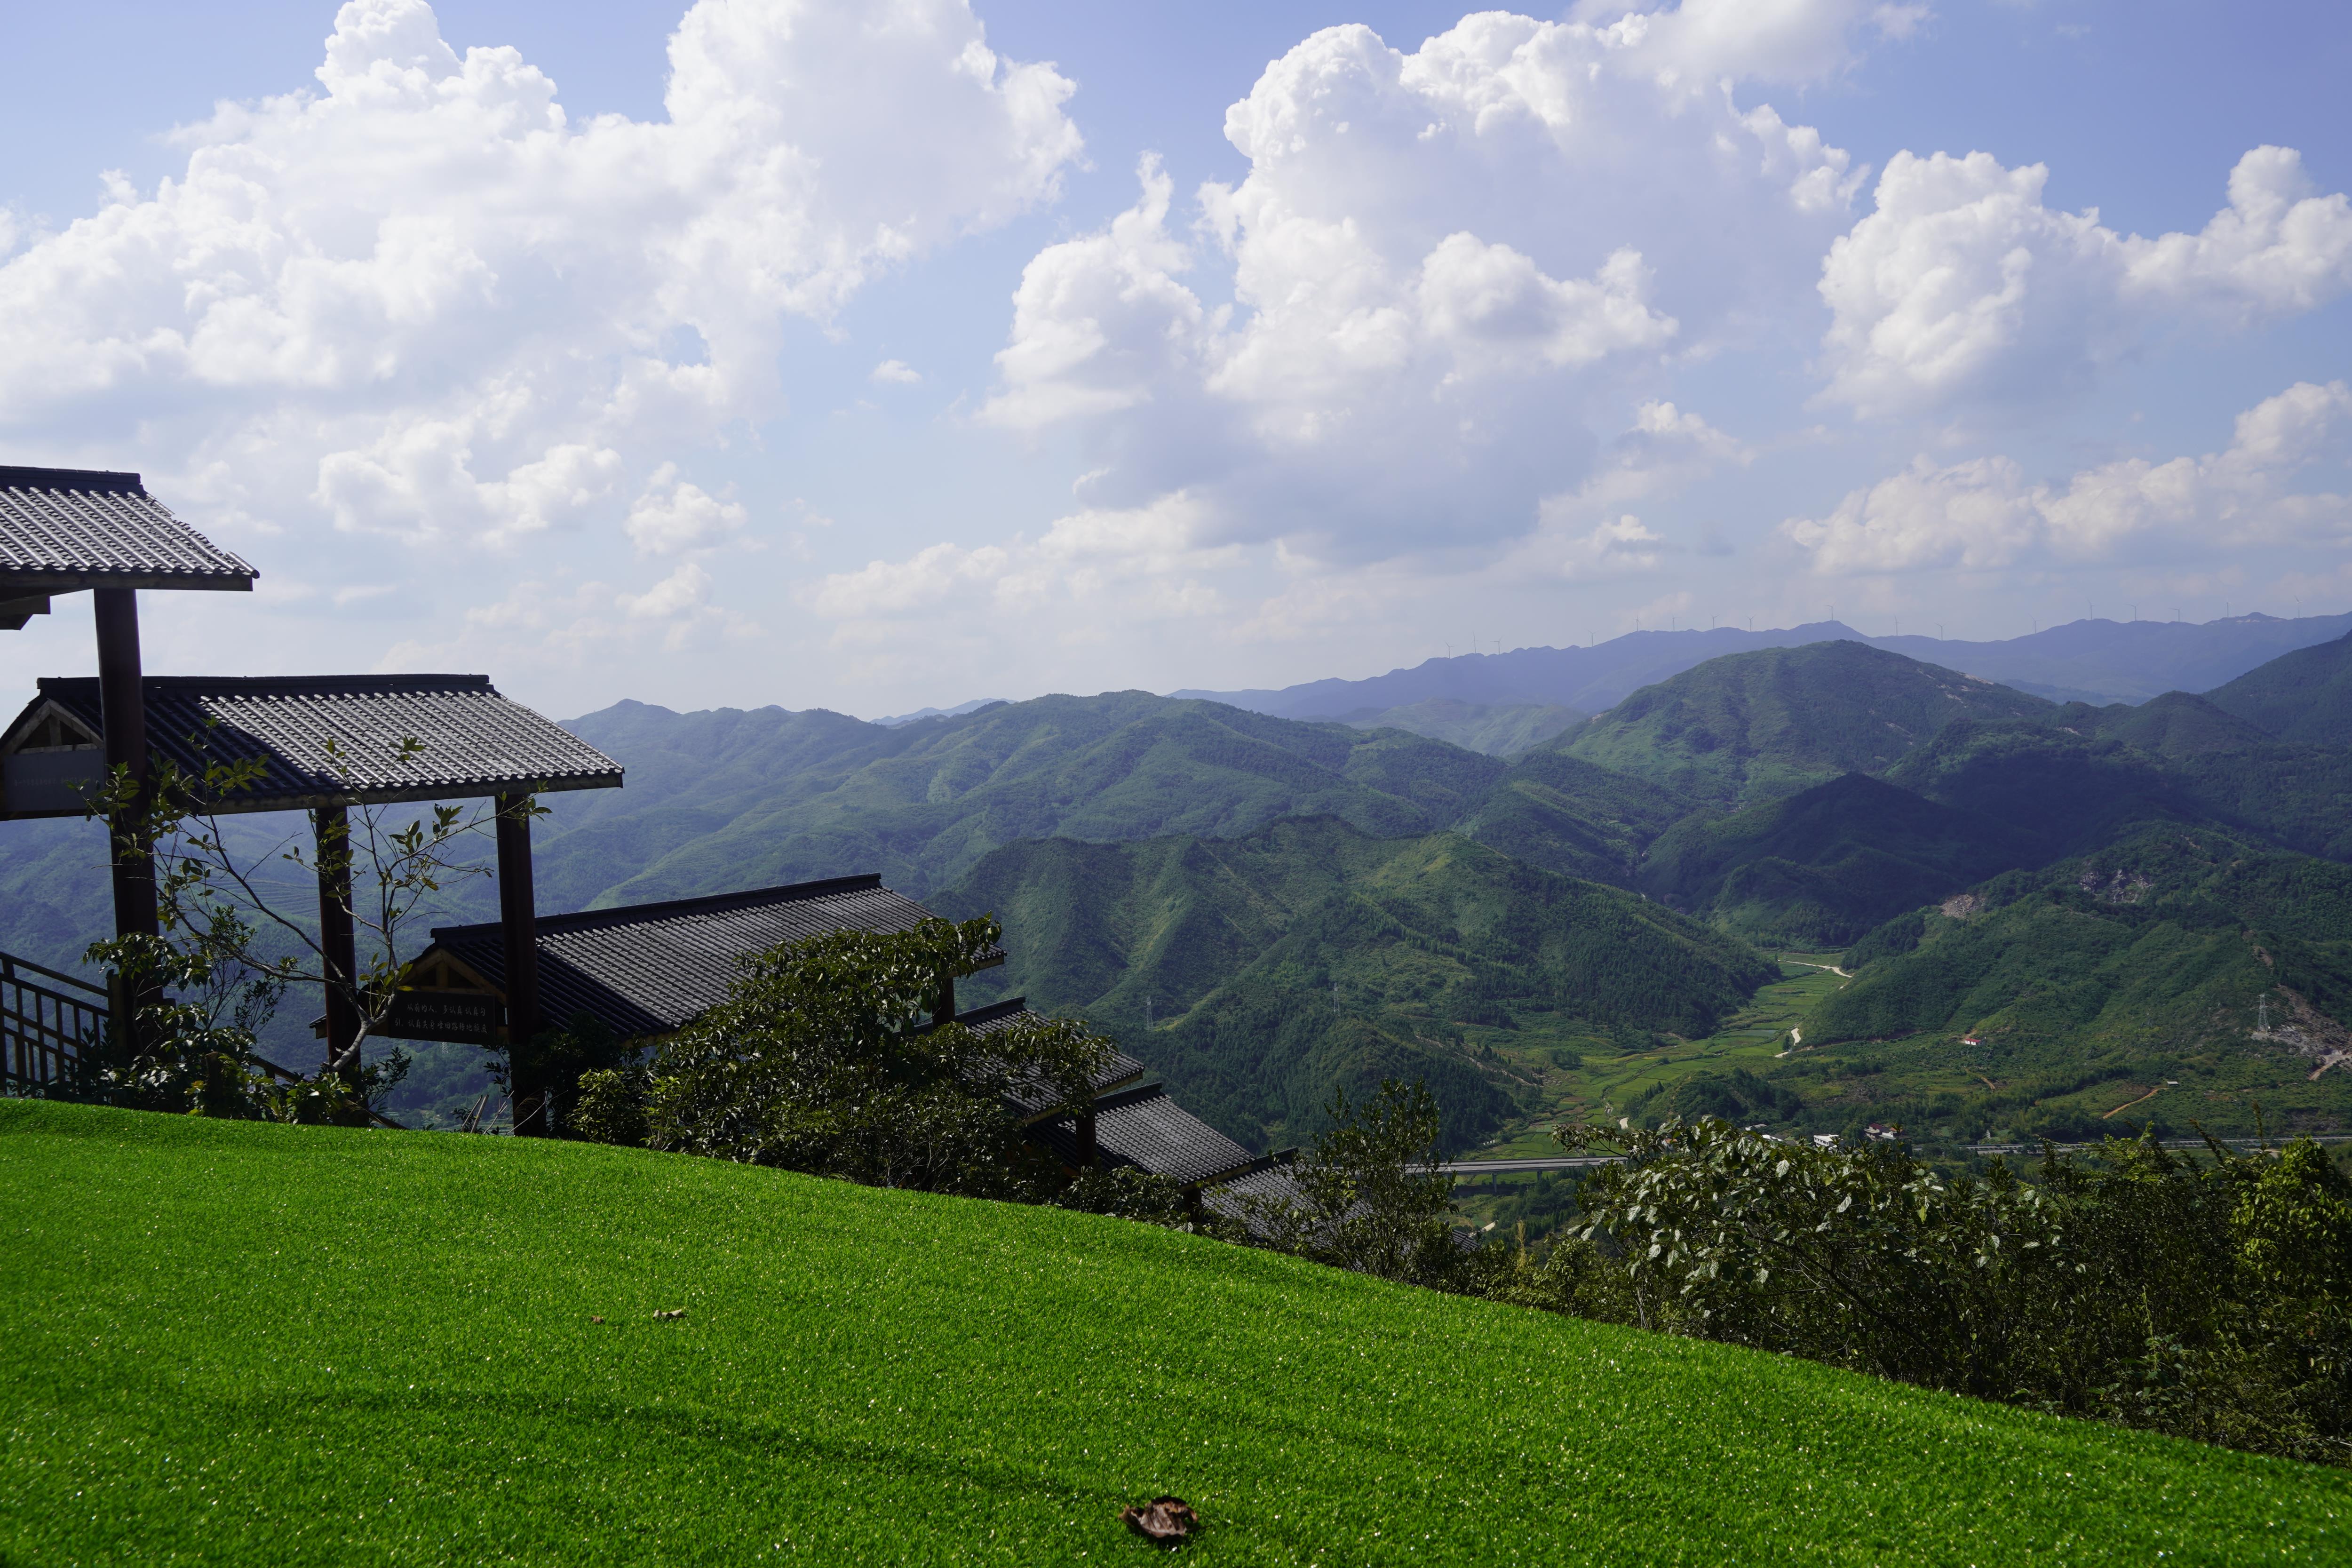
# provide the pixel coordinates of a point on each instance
(2087, 660)
(1266, 908)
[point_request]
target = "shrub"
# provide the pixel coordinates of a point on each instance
(2212, 1299)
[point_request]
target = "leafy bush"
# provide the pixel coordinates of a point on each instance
(2212, 1299)
(822, 1060)
(192, 1048)
(1369, 1196)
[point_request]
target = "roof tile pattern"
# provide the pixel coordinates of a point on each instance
(1030, 1098)
(71, 528)
(648, 969)
(1271, 1183)
(1144, 1128)
(475, 742)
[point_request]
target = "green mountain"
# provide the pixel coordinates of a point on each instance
(2175, 726)
(2068, 790)
(1757, 726)
(2172, 959)
(1259, 973)
(1562, 814)
(1496, 729)
(2304, 695)
(786, 801)
(1818, 870)
(2074, 787)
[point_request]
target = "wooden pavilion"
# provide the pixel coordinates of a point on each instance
(63, 531)
(324, 744)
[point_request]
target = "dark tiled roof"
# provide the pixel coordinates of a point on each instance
(1144, 1128)
(62, 528)
(647, 969)
(1031, 1099)
(476, 742)
(1270, 1181)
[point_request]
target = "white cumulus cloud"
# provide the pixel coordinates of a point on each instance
(673, 515)
(1985, 514)
(1147, 561)
(420, 299)
(1962, 289)
(1444, 266)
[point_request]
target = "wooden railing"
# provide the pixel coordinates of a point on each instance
(47, 1021)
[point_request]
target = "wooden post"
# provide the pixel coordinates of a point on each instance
(338, 947)
(1087, 1153)
(519, 918)
(122, 710)
(946, 1015)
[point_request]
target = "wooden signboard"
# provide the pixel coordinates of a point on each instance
(459, 1017)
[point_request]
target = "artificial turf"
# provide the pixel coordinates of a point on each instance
(249, 1345)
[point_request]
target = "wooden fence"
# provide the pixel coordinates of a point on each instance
(47, 1021)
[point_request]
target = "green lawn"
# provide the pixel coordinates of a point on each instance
(254, 1344)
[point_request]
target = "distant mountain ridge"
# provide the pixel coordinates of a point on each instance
(1497, 729)
(2097, 661)
(1755, 726)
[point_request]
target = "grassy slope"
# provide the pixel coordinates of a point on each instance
(260, 1345)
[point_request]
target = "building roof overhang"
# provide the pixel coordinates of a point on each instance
(318, 741)
(63, 530)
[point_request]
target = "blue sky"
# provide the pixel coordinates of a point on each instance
(879, 369)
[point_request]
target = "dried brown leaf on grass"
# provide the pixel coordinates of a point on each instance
(1163, 1519)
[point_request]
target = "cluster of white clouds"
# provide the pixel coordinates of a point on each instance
(1962, 292)
(1446, 325)
(1395, 338)
(1984, 514)
(1443, 269)
(421, 302)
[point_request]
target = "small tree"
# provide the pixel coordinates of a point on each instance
(1371, 1195)
(823, 1058)
(222, 916)
(193, 1046)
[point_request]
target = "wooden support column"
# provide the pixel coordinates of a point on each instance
(519, 918)
(338, 948)
(1086, 1151)
(946, 1015)
(122, 710)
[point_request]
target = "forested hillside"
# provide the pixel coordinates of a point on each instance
(1260, 973)
(1199, 878)
(1819, 868)
(2212, 972)
(1757, 726)
(1497, 729)
(2304, 695)
(924, 801)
